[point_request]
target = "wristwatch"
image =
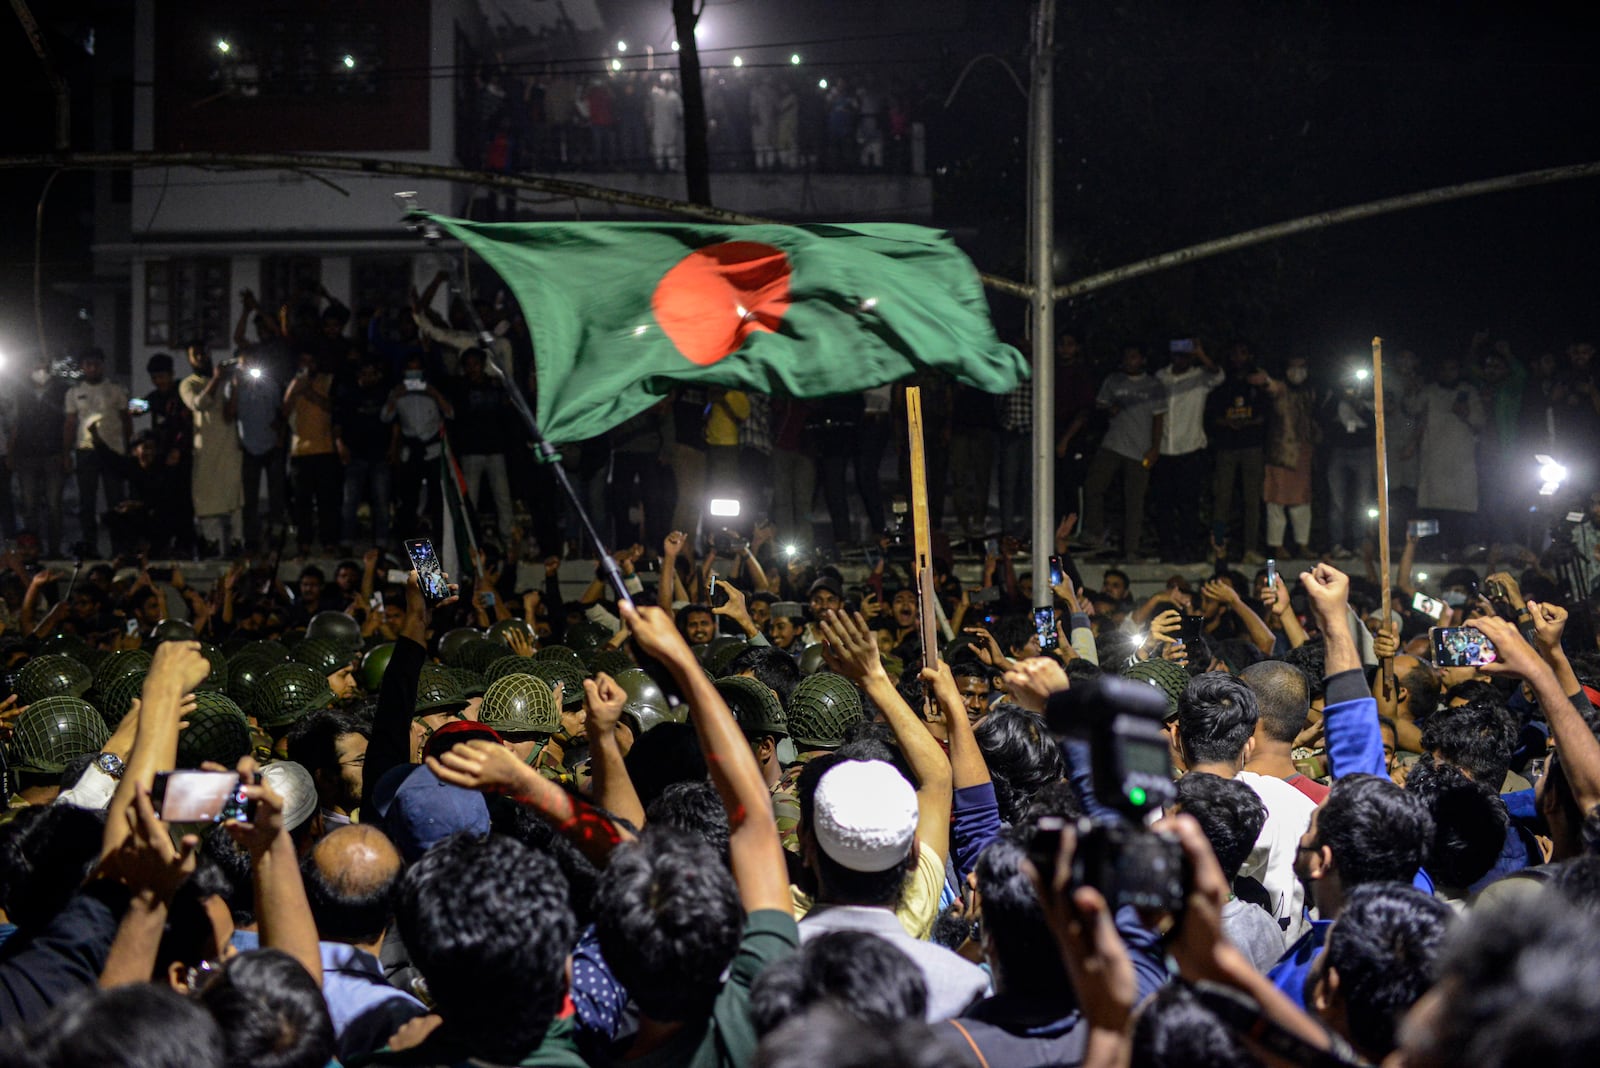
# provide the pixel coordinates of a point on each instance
(111, 764)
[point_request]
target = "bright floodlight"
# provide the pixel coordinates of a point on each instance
(795, 59)
(349, 62)
(255, 372)
(1362, 374)
(1422, 576)
(724, 507)
(738, 61)
(675, 46)
(616, 64)
(822, 83)
(791, 551)
(223, 46)
(622, 46)
(1372, 513)
(1551, 475)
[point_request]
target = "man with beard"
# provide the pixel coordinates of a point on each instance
(217, 482)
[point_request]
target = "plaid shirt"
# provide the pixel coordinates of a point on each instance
(756, 431)
(1015, 409)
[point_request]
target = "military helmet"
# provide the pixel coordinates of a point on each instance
(512, 625)
(120, 663)
(1168, 677)
(437, 691)
(646, 705)
(67, 645)
(323, 654)
(218, 731)
(610, 662)
(821, 707)
(560, 652)
(287, 692)
(468, 683)
(216, 679)
(721, 651)
(585, 634)
(373, 664)
(520, 704)
(570, 678)
(54, 730)
(812, 660)
(450, 642)
(336, 627)
(754, 705)
(172, 630)
(478, 654)
(245, 673)
(115, 698)
(51, 674)
(510, 665)
(270, 647)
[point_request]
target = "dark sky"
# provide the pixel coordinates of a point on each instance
(1177, 122)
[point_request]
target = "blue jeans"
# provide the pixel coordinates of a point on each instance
(366, 480)
(1351, 490)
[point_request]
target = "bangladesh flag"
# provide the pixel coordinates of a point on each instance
(621, 313)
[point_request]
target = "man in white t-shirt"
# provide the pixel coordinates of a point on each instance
(91, 401)
(1217, 717)
(1184, 464)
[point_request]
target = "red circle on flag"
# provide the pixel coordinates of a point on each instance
(715, 297)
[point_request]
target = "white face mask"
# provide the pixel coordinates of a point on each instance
(40, 376)
(1296, 375)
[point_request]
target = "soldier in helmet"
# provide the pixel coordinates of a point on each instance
(523, 709)
(49, 735)
(822, 707)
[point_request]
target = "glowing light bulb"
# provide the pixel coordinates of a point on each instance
(224, 47)
(622, 46)
(795, 59)
(675, 46)
(349, 62)
(822, 83)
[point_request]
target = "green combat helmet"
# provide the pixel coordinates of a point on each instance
(646, 705)
(373, 665)
(721, 651)
(216, 679)
(120, 663)
(754, 705)
(510, 665)
(336, 627)
(1166, 676)
(116, 697)
(520, 704)
(50, 675)
(478, 654)
(323, 654)
(54, 730)
(812, 660)
(499, 630)
(450, 643)
(821, 708)
(560, 652)
(271, 647)
(468, 683)
(218, 731)
(570, 678)
(245, 673)
(172, 630)
(67, 645)
(288, 692)
(437, 691)
(585, 635)
(609, 661)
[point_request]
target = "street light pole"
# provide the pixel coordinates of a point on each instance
(1041, 227)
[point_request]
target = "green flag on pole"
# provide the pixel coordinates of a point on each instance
(621, 313)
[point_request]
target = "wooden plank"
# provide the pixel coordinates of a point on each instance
(922, 537)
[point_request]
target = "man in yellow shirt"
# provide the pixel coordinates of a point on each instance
(727, 410)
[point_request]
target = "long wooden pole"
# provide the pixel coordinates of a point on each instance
(1385, 579)
(921, 532)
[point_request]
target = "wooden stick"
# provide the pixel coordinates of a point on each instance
(922, 538)
(1387, 664)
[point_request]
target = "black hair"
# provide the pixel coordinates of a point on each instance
(1199, 655)
(1216, 716)
(1058, 799)
(1174, 1030)
(1238, 654)
(271, 1012)
(969, 666)
(352, 910)
(1014, 922)
(1283, 697)
(1080, 669)
(664, 754)
(694, 808)
(46, 852)
(773, 668)
(1021, 754)
(1230, 814)
(829, 1035)
(1012, 632)
(1478, 737)
(313, 740)
(1524, 988)
(527, 826)
(844, 885)
(1421, 681)
(313, 571)
(1311, 658)
(681, 618)
(1376, 831)
(669, 920)
(1469, 822)
(1578, 880)
(187, 938)
(487, 924)
(138, 1025)
(232, 863)
(1119, 573)
(1473, 690)
(861, 973)
(1385, 946)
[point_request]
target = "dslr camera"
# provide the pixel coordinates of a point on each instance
(1132, 766)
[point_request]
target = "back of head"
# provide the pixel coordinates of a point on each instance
(829, 1035)
(774, 668)
(1469, 822)
(862, 817)
(858, 972)
(1283, 697)
(1376, 831)
(140, 1025)
(1216, 716)
(1385, 947)
(271, 1012)
(1022, 756)
(1013, 921)
(694, 808)
(46, 852)
(1522, 986)
(1478, 738)
(487, 924)
(1578, 880)
(1230, 814)
(1174, 1030)
(666, 753)
(1311, 659)
(669, 920)
(350, 878)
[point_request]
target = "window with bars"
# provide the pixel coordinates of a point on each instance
(185, 298)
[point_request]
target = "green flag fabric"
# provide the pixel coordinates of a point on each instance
(621, 313)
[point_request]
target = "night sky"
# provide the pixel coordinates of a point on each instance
(1176, 123)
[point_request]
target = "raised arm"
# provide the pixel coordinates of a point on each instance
(669, 568)
(612, 787)
(1260, 633)
(1355, 743)
(281, 907)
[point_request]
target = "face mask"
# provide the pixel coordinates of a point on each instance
(1454, 598)
(40, 376)
(1296, 375)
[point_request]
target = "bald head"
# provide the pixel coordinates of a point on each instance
(350, 879)
(1282, 694)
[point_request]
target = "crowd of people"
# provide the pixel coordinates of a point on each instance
(735, 816)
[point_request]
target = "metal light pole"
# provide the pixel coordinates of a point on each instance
(1041, 227)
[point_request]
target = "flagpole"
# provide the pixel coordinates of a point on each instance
(1042, 233)
(1387, 666)
(921, 532)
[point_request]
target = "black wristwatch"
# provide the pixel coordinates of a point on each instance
(111, 764)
